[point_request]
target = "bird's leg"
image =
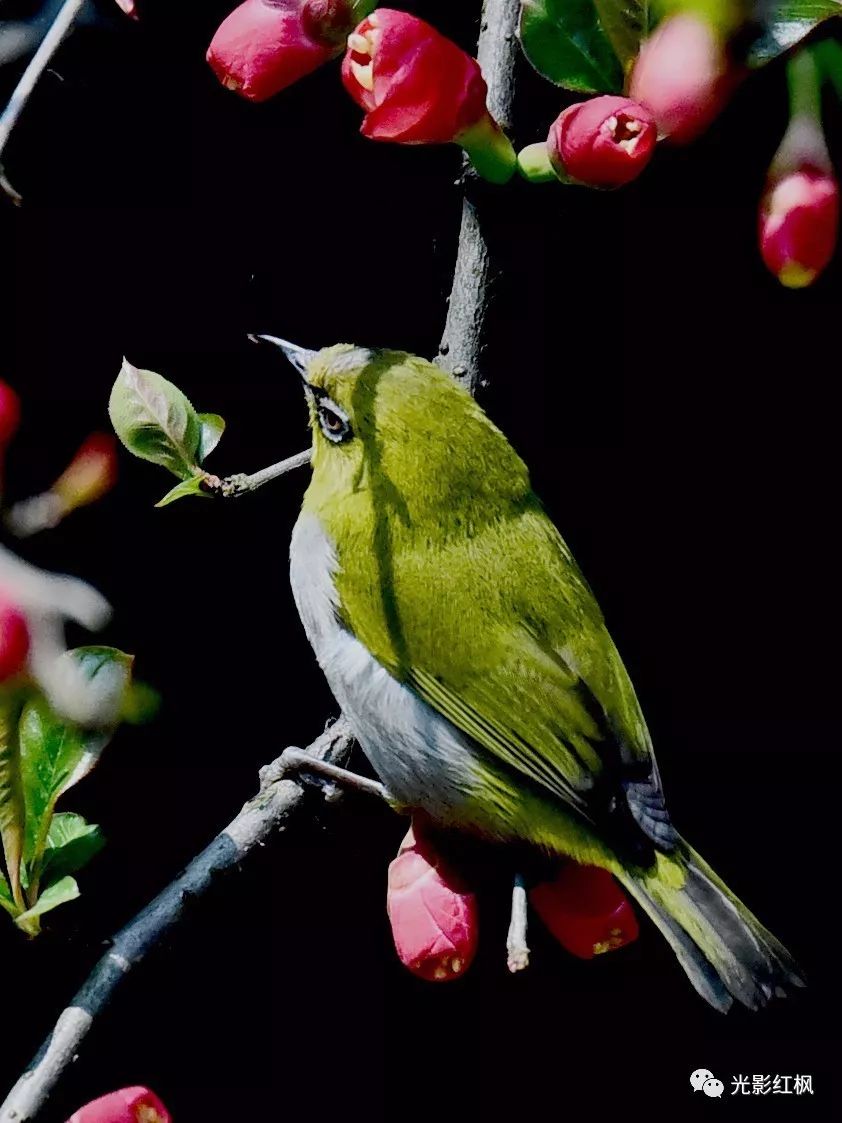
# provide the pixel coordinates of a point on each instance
(518, 952)
(294, 761)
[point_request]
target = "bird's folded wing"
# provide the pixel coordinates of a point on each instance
(534, 714)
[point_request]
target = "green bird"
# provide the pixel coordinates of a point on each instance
(473, 663)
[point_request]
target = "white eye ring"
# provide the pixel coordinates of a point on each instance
(333, 421)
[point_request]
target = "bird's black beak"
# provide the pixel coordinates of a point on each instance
(300, 357)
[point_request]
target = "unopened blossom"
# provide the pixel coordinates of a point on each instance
(418, 87)
(433, 915)
(604, 142)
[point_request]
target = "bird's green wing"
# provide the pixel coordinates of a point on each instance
(499, 632)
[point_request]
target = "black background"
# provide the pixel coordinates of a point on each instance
(675, 407)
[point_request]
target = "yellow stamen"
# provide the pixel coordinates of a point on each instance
(363, 74)
(360, 44)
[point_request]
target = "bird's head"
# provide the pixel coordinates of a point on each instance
(390, 419)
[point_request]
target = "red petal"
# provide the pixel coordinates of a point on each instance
(14, 639)
(129, 1105)
(262, 48)
(604, 142)
(9, 412)
(427, 90)
(799, 223)
(434, 918)
(586, 911)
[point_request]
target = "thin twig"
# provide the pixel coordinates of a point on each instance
(51, 42)
(460, 351)
(232, 486)
(274, 808)
(516, 946)
(271, 811)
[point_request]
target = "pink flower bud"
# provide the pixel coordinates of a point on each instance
(585, 910)
(9, 413)
(604, 142)
(91, 473)
(433, 916)
(685, 76)
(416, 86)
(14, 639)
(265, 45)
(799, 221)
(129, 1105)
(129, 7)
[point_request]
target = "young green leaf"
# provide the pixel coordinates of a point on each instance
(567, 42)
(71, 843)
(155, 421)
(193, 486)
(213, 426)
(12, 808)
(59, 893)
(56, 754)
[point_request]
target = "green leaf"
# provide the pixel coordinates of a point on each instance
(155, 421)
(12, 807)
(59, 893)
(213, 426)
(567, 42)
(626, 23)
(6, 901)
(71, 843)
(193, 486)
(56, 754)
(785, 23)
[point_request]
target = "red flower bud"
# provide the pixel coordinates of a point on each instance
(91, 473)
(586, 911)
(418, 87)
(604, 142)
(265, 45)
(433, 916)
(685, 76)
(129, 1105)
(799, 221)
(9, 413)
(14, 639)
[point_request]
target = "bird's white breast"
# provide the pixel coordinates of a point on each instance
(420, 756)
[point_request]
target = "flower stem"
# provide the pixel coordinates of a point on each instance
(489, 150)
(804, 85)
(803, 143)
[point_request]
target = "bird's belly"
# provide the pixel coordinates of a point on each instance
(421, 757)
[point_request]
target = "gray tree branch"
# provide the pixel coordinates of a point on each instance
(275, 809)
(61, 25)
(460, 351)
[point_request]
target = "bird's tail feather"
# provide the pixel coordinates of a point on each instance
(725, 950)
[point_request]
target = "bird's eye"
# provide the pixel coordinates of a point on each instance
(333, 422)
